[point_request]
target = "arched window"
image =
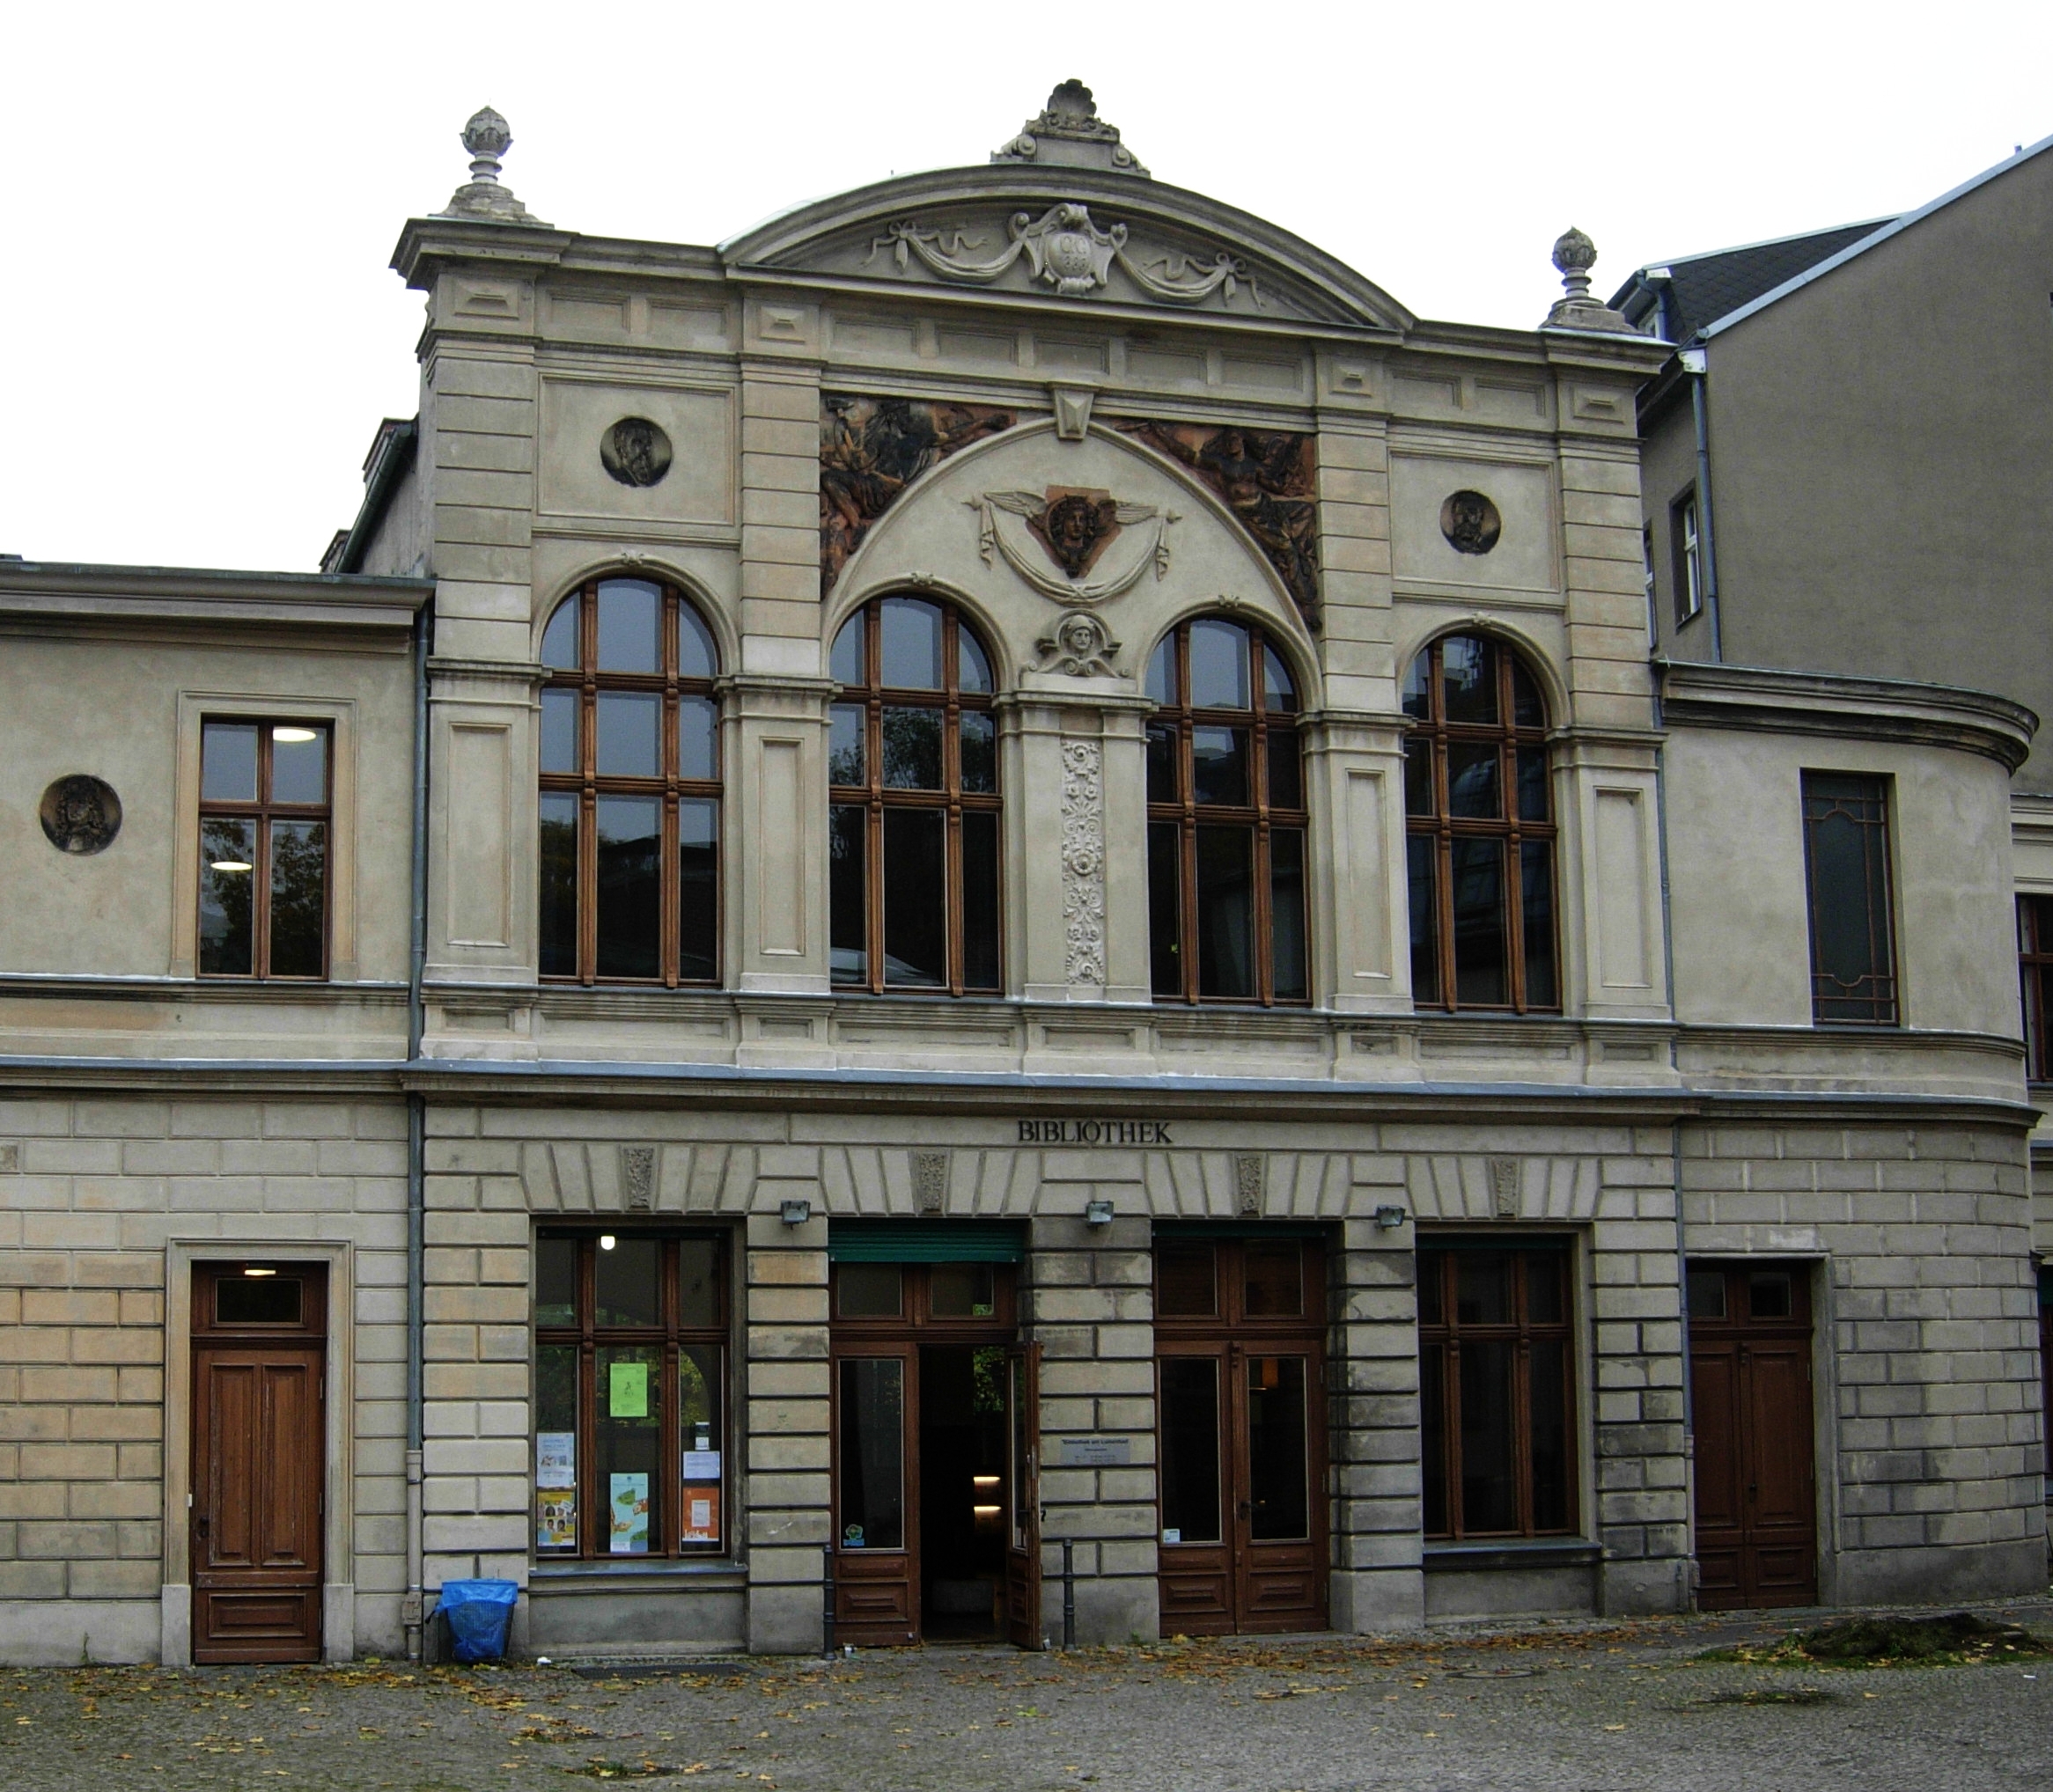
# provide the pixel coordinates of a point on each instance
(630, 788)
(913, 824)
(1225, 819)
(1480, 830)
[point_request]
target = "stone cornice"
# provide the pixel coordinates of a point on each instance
(108, 597)
(1761, 699)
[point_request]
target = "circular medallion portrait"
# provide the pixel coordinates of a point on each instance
(81, 814)
(1471, 523)
(635, 451)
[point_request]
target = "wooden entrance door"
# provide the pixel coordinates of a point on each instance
(1023, 1496)
(1242, 1427)
(259, 1333)
(1750, 1383)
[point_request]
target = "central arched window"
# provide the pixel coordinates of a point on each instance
(630, 787)
(1225, 819)
(1480, 830)
(913, 824)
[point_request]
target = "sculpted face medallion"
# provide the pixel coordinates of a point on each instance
(635, 451)
(1471, 523)
(80, 815)
(1076, 527)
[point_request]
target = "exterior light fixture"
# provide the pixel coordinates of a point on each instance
(1098, 1213)
(795, 1213)
(1389, 1218)
(606, 1241)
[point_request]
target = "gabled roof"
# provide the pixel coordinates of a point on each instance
(1710, 293)
(1702, 289)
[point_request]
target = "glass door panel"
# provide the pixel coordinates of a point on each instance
(1191, 1450)
(1278, 1474)
(872, 1453)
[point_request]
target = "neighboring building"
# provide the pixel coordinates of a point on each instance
(1046, 912)
(1848, 467)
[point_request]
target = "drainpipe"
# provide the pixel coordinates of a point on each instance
(1688, 1589)
(1695, 364)
(416, 1177)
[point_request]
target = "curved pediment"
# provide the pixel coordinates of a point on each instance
(1075, 235)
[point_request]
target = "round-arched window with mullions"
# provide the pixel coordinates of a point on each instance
(913, 818)
(630, 787)
(1227, 818)
(1480, 830)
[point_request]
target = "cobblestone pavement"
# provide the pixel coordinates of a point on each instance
(1589, 1708)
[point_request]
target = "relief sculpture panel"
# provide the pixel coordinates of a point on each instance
(870, 448)
(1268, 479)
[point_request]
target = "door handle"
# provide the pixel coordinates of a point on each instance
(200, 1524)
(1246, 1509)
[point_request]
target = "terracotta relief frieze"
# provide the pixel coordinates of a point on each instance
(1268, 479)
(870, 448)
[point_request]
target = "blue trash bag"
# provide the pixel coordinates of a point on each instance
(479, 1612)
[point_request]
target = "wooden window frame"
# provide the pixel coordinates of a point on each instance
(1522, 1331)
(1437, 734)
(1686, 533)
(264, 812)
(1884, 1002)
(1261, 724)
(589, 786)
(2036, 978)
(875, 798)
(670, 1335)
(915, 1315)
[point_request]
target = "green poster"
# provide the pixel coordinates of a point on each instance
(627, 1398)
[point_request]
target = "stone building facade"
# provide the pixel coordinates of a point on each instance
(998, 882)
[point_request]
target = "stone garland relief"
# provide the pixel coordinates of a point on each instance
(1268, 479)
(1075, 528)
(1083, 860)
(870, 448)
(1067, 249)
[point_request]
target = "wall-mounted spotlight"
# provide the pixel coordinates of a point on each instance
(795, 1213)
(1389, 1218)
(1098, 1213)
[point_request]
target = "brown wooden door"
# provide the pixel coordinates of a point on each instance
(1750, 1386)
(1242, 1429)
(258, 1461)
(1023, 1496)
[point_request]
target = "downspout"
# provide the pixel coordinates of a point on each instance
(1688, 1591)
(416, 1167)
(1696, 363)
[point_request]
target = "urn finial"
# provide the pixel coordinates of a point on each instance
(484, 195)
(1574, 255)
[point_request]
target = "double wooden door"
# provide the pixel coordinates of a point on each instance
(258, 1332)
(1241, 1431)
(1750, 1385)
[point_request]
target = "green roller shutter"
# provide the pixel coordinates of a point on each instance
(926, 1241)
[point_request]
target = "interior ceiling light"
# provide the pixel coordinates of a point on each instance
(293, 735)
(983, 1480)
(985, 1511)
(230, 865)
(606, 1241)
(252, 1269)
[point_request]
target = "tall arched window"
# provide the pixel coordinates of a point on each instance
(630, 788)
(913, 824)
(1480, 830)
(1225, 819)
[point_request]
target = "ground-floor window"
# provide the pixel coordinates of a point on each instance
(2046, 1362)
(630, 1393)
(1497, 1361)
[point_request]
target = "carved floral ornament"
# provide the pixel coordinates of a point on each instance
(1077, 530)
(1067, 249)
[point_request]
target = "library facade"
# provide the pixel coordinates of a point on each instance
(978, 920)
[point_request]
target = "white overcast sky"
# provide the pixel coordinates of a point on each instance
(199, 330)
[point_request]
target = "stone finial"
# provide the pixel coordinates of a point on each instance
(1069, 134)
(1574, 255)
(487, 138)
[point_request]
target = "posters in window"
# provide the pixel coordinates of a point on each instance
(701, 1516)
(630, 1514)
(556, 1459)
(628, 1391)
(556, 1519)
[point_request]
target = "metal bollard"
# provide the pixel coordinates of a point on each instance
(1068, 1594)
(827, 1599)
